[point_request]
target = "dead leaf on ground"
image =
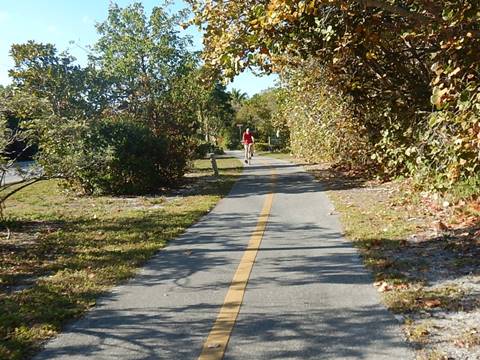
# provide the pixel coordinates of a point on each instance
(432, 303)
(440, 226)
(383, 286)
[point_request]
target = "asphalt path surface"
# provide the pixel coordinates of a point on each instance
(308, 295)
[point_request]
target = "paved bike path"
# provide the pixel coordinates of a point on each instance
(308, 296)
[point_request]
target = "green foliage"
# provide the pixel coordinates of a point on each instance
(202, 149)
(238, 98)
(404, 73)
(115, 156)
(148, 65)
(128, 122)
(215, 111)
(42, 72)
(322, 126)
(257, 113)
(261, 146)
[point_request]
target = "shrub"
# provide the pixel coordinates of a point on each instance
(218, 151)
(320, 121)
(231, 139)
(114, 156)
(260, 146)
(202, 149)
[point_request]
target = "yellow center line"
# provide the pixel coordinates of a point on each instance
(217, 340)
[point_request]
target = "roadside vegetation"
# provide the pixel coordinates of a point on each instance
(119, 147)
(126, 123)
(388, 88)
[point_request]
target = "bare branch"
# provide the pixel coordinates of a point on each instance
(3, 199)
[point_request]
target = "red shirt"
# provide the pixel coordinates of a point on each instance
(247, 138)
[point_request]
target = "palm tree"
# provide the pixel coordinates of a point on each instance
(237, 97)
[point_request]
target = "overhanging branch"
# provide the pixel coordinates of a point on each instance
(398, 10)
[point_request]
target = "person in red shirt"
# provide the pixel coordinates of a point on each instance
(248, 142)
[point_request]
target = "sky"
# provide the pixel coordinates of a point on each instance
(62, 21)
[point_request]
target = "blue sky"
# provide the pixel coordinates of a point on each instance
(61, 21)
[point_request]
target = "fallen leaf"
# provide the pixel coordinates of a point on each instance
(433, 303)
(384, 287)
(440, 226)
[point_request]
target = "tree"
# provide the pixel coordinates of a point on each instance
(125, 123)
(392, 61)
(147, 60)
(215, 111)
(17, 112)
(257, 113)
(153, 76)
(48, 75)
(237, 97)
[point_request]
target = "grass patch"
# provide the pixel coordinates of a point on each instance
(418, 299)
(64, 251)
(468, 339)
(417, 333)
(432, 355)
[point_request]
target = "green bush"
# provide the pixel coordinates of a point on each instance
(202, 149)
(115, 156)
(135, 158)
(260, 146)
(231, 139)
(218, 151)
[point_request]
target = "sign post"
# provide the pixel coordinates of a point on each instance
(240, 130)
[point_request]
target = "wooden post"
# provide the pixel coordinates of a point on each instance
(214, 164)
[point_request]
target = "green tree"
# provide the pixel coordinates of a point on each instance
(138, 92)
(44, 73)
(216, 113)
(237, 98)
(152, 76)
(147, 60)
(257, 113)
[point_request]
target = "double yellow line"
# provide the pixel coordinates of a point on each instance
(217, 340)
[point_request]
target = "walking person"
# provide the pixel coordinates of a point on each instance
(248, 142)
